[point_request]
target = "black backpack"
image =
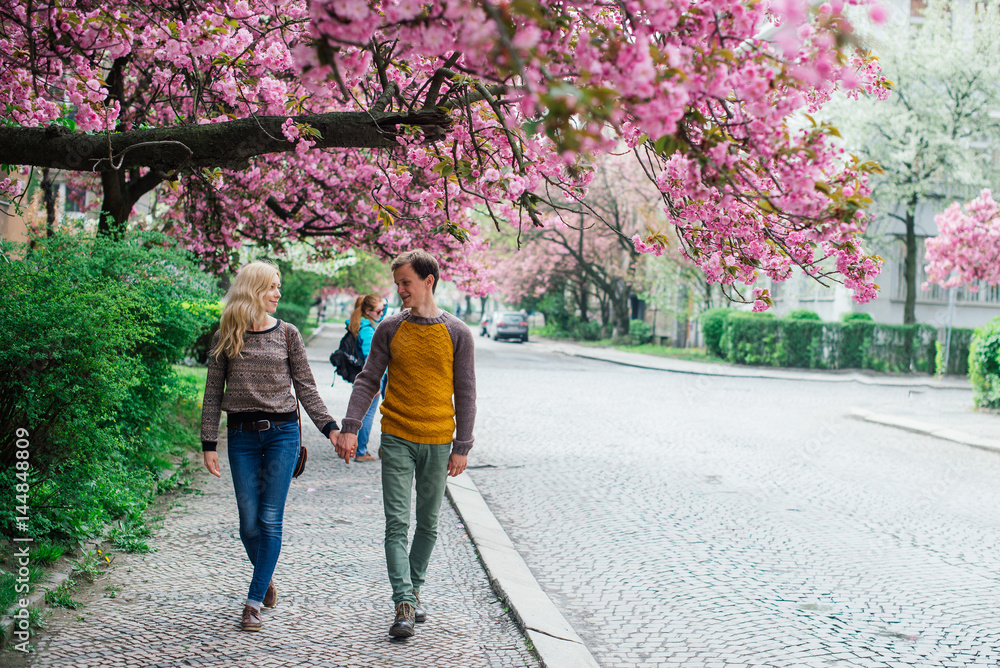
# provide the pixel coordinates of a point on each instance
(347, 358)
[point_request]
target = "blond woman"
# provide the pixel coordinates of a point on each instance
(254, 361)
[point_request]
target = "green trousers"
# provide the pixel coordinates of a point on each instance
(403, 460)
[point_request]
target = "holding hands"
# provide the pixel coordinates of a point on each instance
(457, 464)
(347, 445)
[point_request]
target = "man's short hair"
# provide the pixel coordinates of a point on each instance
(422, 262)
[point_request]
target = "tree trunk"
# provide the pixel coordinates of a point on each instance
(620, 311)
(121, 191)
(49, 197)
(115, 208)
(910, 266)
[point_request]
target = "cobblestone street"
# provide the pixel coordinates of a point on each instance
(674, 519)
(683, 520)
(180, 605)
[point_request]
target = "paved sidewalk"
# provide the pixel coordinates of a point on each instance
(937, 407)
(180, 605)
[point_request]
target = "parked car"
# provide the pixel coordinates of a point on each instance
(509, 326)
(484, 329)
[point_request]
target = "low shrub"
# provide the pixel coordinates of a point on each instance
(984, 365)
(803, 314)
(640, 332)
(803, 341)
(752, 338)
(86, 377)
(712, 323)
(588, 331)
(958, 356)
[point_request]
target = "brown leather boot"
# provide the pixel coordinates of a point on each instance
(270, 596)
(419, 614)
(403, 626)
(251, 619)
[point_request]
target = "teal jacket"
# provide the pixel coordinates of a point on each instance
(365, 335)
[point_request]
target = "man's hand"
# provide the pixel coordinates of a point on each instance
(347, 445)
(457, 464)
(212, 462)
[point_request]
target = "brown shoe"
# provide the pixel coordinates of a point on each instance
(270, 596)
(251, 619)
(364, 458)
(419, 614)
(402, 627)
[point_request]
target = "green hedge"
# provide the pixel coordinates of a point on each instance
(958, 357)
(712, 322)
(805, 342)
(86, 370)
(984, 365)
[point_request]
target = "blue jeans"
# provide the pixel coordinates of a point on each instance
(366, 428)
(262, 463)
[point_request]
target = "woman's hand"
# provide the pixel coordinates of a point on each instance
(212, 462)
(333, 437)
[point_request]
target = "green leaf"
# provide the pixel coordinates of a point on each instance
(445, 168)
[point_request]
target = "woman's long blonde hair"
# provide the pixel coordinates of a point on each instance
(244, 306)
(363, 303)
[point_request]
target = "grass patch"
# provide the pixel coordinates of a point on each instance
(549, 332)
(131, 535)
(199, 374)
(91, 565)
(46, 553)
(688, 354)
(9, 595)
(62, 596)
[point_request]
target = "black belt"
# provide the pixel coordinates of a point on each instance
(259, 425)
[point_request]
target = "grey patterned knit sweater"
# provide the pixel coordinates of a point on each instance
(257, 384)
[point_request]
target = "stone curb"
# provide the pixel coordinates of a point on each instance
(916, 426)
(555, 641)
(640, 361)
(36, 600)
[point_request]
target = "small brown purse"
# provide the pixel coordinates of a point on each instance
(300, 464)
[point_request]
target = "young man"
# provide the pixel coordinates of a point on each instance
(430, 357)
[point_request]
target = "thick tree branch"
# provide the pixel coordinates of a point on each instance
(228, 145)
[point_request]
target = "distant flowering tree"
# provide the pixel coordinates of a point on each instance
(967, 248)
(935, 138)
(595, 252)
(382, 122)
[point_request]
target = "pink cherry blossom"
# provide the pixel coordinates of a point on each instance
(536, 94)
(966, 250)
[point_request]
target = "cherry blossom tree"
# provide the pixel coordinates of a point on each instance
(967, 249)
(593, 252)
(384, 122)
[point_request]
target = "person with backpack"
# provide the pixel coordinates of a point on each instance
(428, 417)
(254, 363)
(368, 310)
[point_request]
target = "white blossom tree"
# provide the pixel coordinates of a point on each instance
(937, 135)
